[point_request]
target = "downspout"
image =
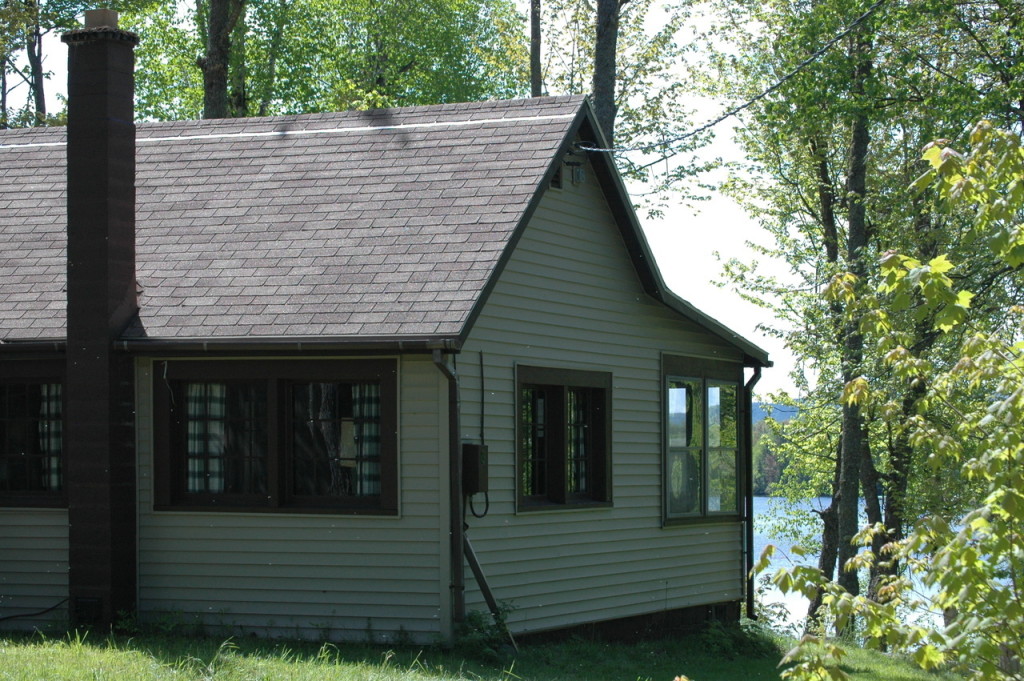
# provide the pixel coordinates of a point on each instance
(455, 498)
(748, 486)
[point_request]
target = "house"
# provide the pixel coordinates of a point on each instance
(352, 374)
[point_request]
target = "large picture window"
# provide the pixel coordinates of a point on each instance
(303, 435)
(563, 437)
(702, 435)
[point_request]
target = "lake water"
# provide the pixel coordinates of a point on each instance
(770, 529)
(763, 530)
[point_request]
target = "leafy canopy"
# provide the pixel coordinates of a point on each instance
(302, 56)
(971, 568)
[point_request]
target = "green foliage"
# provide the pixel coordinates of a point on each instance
(804, 448)
(23, 26)
(653, 92)
(907, 74)
(766, 464)
(971, 567)
(485, 636)
(738, 639)
(305, 56)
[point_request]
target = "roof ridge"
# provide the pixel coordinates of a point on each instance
(361, 128)
(362, 121)
(318, 131)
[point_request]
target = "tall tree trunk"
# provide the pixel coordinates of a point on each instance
(37, 77)
(222, 15)
(829, 544)
(536, 84)
(925, 337)
(605, 44)
(276, 40)
(854, 440)
(826, 205)
(869, 487)
(238, 96)
(4, 123)
(855, 433)
(827, 200)
(900, 460)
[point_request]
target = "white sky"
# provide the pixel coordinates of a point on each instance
(684, 240)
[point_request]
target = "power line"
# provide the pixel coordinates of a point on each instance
(750, 102)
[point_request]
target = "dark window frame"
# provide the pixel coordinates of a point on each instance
(708, 373)
(37, 372)
(277, 378)
(557, 178)
(556, 383)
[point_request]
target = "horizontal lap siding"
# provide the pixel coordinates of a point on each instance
(569, 297)
(312, 576)
(33, 567)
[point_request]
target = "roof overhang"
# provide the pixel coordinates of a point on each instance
(27, 349)
(640, 250)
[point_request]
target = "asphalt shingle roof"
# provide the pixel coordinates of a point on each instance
(381, 224)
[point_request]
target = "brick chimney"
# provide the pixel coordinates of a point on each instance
(99, 443)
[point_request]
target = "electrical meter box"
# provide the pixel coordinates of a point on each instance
(474, 469)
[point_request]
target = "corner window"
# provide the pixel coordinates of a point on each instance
(304, 435)
(31, 441)
(702, 435)
(563, 437)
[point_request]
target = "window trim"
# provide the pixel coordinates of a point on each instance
(277, 376)
(708, 372)
(557, 181)
(601, 481)
(38, 371)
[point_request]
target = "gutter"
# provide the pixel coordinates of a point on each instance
(236, 345)
(748, 488)
(456, 531)
(241, 344)
(33, 347)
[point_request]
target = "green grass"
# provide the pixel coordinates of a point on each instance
(713, 656)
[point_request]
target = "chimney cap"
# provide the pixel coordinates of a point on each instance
(100, 18)
(100, 24)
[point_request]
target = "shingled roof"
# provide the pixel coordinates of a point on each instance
(371, 228)
(379, 224)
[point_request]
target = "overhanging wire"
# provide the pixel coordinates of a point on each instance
(817, 54)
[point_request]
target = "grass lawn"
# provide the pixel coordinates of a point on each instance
(712, 656)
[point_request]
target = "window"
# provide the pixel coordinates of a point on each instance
(30, 438)
(278, 436)
(225, 443)
(563, 436)
(31, 433)
(702, 453)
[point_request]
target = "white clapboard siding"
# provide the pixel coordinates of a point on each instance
(312, 576)
(569, 297)
(33, 568)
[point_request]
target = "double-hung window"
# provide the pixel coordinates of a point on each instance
(702, 437)
(563, 437)
(278, 435)
(31, 435)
